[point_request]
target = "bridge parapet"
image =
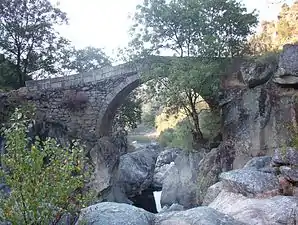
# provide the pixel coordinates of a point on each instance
(83, 78)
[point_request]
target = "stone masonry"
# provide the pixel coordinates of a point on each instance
(85, 103)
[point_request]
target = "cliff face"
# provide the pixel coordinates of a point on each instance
(258, 111)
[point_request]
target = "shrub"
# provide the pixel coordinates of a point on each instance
(149, 119)
(176, 132)
(47, 181)
(180, 136)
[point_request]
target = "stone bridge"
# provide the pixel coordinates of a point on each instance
(86, 103)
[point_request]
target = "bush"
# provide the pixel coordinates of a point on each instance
(180, 136)
(176, 132)
(47, 181)
(210, 122)
(149, 120)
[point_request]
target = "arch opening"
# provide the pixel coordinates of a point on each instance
(106, 122)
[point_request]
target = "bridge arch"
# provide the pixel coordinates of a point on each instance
(114, 101)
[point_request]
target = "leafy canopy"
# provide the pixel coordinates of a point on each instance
(27, 35)
(209, 28)
(86, 59)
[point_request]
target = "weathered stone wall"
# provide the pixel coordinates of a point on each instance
(82, 108)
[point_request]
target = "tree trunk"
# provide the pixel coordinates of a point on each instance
(198, 137)
(19, 70)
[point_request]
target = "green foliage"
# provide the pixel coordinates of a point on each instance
(47, 180)
(87, 59)
(180, 136)
(175, 130)
(149, 119)
(28, 38)
(276, 33)
(129, 114)
(210, 123)
(180, 83)
(190, 29)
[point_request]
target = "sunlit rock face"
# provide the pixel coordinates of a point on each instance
(287, 73)
(258, 114)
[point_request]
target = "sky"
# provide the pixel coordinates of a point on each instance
(105, 23)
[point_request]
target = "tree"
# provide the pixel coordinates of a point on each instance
(87, 59)
(275, 34)
(28, 38)
(129, 113)
(210, 30)
(179, 85)
(46, 180)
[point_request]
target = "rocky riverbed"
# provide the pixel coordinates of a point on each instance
(263, 192)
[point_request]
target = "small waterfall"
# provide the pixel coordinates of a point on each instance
(157, 196)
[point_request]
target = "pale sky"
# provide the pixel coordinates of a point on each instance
(105, 23)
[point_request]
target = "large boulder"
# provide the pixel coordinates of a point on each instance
(288, 65)
(195, 216)
(136, 171)
(290, 173)
(277, 210)
(216, 161)
(258, 162)
(180, 186)
(249, 182)
(164, 163)
(105, 156)
(246, 115)
(285, 156)
(192, 174)
(212, 192)
(109, 213)
(256, 73)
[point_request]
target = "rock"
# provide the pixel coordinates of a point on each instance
(249, 182)
(295, 192)
(167, 156)
(285, 156)
(180, 186)
(216, 161)
(285, 186)
(105, 156)
(212, 193)
(109, 213)
(164, 162)
(174, 207)
(269, 169)
(160, 174)
(290, 173)
(258, 162)
(195, 216)
(288, 67)
(136, 171)
(249, 123)
(278, 210)
(255, 73)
